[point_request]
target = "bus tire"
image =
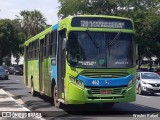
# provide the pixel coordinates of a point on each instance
(33, 92)
(57, 104)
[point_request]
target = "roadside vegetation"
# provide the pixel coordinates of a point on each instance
(13, 33)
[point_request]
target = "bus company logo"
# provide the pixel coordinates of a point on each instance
(107, 82)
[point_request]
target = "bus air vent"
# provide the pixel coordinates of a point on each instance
(106, 98)
(104, 74)
(97, 90)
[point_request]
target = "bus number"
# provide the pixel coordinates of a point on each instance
(95, 82)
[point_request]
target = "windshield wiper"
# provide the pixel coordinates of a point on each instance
(95, 42)
(112, 42)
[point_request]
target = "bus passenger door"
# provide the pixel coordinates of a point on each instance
(61, 63)
(41, 57)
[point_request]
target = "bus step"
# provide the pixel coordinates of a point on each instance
(61, 100)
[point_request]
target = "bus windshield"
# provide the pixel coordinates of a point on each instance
(116, 49)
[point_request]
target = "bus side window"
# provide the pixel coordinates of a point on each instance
(44, 48)
(53, 43)
(37, 49)
(33, 47)
(50, 45)
(30, 51)
(26, 53)
(47, 37)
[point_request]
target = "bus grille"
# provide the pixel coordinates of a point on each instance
(97, 90)
(104, 74)
(109, 98)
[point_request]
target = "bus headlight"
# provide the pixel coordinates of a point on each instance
(76, 81)
(72, 79)
(79, 83)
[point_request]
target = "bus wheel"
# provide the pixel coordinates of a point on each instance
(33, 92)
(56, 102)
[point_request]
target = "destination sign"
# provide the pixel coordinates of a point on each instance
(107, 24)
(101, 23)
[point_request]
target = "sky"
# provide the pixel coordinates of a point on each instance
(49, 8)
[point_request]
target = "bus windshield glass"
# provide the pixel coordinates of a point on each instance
(115, 50)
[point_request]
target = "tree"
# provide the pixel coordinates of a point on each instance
(30, 22)
(74, 7)
(152, 36)
(105, 7)
(146, 22)
(7, 38)
(14, 33)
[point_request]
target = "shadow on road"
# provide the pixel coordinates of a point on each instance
(12, 89)
(35, 103)
(2, 80)
(119, 109)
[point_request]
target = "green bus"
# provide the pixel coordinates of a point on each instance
(83, 59)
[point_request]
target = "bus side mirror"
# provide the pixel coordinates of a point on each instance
(64, 44)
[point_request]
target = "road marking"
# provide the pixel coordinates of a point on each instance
(26, 109)
(15, 108)
(12, 99)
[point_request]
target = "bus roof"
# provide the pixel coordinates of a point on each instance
(105, 16)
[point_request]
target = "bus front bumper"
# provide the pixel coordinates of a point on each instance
(77, 95)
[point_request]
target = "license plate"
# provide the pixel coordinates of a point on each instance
(106, 91)
(156, 88)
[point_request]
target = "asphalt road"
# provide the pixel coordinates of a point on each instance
(145, 104)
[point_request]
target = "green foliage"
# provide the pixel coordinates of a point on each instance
(74, 7)
(30, 22)
(7, 38)
(106, 7)
(14, 33)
